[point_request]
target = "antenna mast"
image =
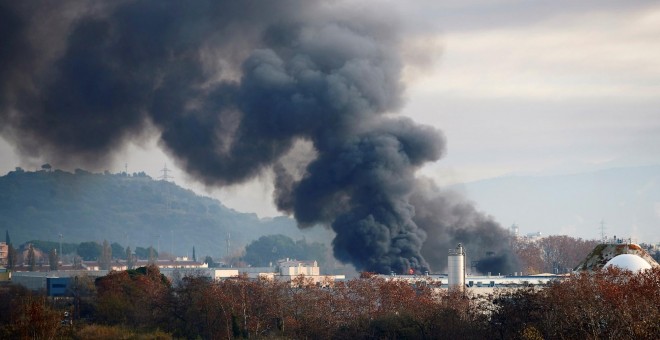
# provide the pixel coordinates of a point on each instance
(602, 231)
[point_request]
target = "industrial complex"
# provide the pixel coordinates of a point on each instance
(628, 256)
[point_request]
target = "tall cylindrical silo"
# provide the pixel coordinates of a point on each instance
(456, 267)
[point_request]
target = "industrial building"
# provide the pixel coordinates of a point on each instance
(625, 255)
(628, 256)
(457, 277)
(56, 282)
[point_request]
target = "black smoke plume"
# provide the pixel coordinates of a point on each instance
(448, 220)
(231, 87)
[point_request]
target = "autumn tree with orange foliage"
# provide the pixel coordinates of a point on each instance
(605, 304)
(551, 254)
(237, 307)
(529, 256)
(26, 315)
(136, 298)
(563, 253)
(199, 310)
(609, 304)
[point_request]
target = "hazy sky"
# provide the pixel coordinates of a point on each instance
(517, 87)
(543, 89)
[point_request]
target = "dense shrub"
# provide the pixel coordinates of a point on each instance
(101, 332)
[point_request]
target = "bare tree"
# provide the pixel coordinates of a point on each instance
(562, 253)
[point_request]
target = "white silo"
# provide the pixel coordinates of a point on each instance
(456, 268)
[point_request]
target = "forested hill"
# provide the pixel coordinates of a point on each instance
(132, 210)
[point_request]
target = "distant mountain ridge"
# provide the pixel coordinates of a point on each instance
(626, 198)
(132, 210)
(136, 210)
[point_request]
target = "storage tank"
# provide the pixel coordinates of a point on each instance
(456, 268)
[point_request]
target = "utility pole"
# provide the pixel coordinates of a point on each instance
(61, 258)
(228, 241)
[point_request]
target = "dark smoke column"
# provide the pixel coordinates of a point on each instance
(231, 87)
(330, 84)
(362, 186)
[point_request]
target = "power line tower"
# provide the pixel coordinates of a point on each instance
(602, 231)
(166, 174)
(228, 239)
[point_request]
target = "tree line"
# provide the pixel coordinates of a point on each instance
(36, 254)
(608, 304)
(551, 254)
(262, 252)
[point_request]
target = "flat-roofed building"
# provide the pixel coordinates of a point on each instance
(4, 253)
(294, 268)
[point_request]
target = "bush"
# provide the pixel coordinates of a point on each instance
(101, 332)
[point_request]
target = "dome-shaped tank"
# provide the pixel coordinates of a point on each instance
(630, 262)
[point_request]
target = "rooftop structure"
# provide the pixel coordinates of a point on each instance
(294, 268)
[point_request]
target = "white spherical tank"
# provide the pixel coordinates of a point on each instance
(629, 262)
(456, 267)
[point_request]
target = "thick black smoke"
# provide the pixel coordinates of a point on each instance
(231, 87)
(449, 220)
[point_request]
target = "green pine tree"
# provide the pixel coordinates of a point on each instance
(11, 257)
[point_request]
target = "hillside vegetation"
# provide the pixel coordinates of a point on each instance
(128, 209)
